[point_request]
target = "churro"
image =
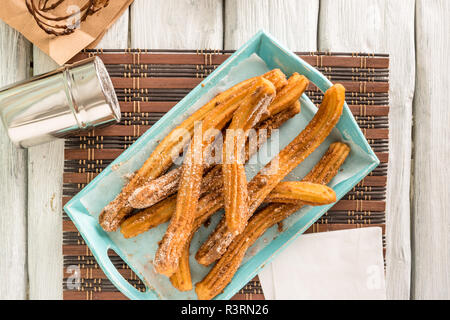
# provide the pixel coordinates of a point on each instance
(181, 278)
(155, 190)
(300, 191)
(171, 146)
(170, 249)
(235, 181)
(223, 271)
(233, 171)
(290, 157)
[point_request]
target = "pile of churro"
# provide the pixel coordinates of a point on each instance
(212, 176)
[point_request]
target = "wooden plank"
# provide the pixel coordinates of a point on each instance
(46, 163)
(293, 22)
(431, 205)
(15, 66)
(176, 24)
(387, 27)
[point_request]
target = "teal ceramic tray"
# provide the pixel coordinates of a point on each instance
(259, 54)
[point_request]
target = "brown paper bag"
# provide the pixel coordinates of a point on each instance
(62, 47)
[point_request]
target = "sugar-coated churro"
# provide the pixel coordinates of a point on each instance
(306, 192)
(170, 147)
(155, 190)
(180, 226)
(181, 278)
(291, 156)
(223, 271)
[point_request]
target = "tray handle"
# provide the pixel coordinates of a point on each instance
(93, 233)
(118, 280)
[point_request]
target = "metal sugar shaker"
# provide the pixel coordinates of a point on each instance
(72, 98)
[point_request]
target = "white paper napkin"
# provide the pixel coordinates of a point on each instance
(345, 264)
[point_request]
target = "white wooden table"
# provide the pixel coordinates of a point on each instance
(414, 33)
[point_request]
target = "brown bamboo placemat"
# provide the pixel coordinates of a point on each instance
(150, 82)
